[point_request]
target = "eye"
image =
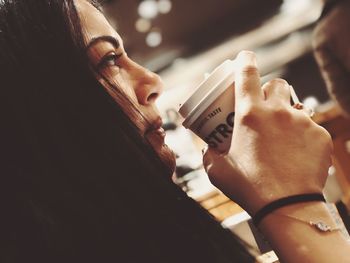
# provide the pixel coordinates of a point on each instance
(109, 60)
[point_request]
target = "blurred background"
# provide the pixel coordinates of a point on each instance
(182, 40)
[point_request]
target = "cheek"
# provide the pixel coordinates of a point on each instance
(122, 82)
(126, 85)
(125, 98)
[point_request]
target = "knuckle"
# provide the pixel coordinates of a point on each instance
(281, 113)
(249, 115)
(249, 70)
(322, 136)
(325, 135)
(303, 121)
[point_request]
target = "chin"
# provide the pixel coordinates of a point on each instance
(168, 158)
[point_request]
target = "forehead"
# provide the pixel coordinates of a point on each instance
(93, 22)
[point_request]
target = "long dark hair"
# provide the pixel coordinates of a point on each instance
(77, 181)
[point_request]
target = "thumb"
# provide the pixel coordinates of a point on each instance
(209, 157)
(222, 172)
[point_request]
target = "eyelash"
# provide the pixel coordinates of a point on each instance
(108, 59)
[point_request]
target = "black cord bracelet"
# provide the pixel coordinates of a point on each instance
(284, 202)
(329, 5)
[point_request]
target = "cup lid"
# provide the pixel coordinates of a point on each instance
(213, 80)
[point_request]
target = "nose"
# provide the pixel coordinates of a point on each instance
(148, 86)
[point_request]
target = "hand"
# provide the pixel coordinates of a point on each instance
(276, 150)
(331, 43)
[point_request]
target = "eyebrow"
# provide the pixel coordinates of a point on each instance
(109, 39)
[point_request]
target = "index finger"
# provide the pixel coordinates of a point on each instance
(247, 78)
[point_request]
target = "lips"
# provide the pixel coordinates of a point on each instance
(160, 131)
(156, 128)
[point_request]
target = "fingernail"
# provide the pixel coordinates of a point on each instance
(247, 57)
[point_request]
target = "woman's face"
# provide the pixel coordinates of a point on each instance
(142, 87)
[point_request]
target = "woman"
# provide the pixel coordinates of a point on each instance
(86, 174)
(83, 178)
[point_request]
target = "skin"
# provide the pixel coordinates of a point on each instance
(108, 58)
(273, 145)
(278, 151)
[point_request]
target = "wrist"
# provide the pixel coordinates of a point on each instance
(302, 218)
(296, 241)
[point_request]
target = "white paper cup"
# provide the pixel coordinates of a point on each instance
(209, 112)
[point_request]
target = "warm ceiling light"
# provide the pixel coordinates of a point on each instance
(142, 25)
(148, 9)
(164, 6)
(153, 39)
